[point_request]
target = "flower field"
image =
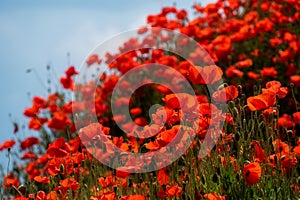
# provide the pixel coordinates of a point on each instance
(201, 107)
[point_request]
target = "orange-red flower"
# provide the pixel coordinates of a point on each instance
(261, 101)
(133, 197)
(204, 75)
(269, 72)
(214, 196)
(252, 173)
(274, 87)
(10, 180)
(92, 59)
(296, 80)
(244, 63)
(69, 183)
(42, 179)
(225, 94)
(163, 177)
(260, 155)
(29, 142)
(7, 144)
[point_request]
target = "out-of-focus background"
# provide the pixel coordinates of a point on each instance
(34, 34)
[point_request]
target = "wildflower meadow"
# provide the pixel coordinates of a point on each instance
(201, 107)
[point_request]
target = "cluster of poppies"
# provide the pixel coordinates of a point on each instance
(236, 136)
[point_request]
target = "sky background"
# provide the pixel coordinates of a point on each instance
(34, 34)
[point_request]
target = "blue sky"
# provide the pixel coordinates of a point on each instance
(34, 34)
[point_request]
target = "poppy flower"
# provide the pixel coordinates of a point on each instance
(42, 179)
(245, 63)
(214, 196)
(152, 146)
(274, 87)
(28, 155)
(261, 101)
(67, 82)
(252, 173)
(29, 142)
(92, 59)
(296, 117)
(135, 111)
(204, 75)
(253, 75)
(69, 183)
(232, 71)
(280, 147)
(133, 197)
(59, 121)
(269, 72)
(7, 144)
(59, 148)
(285, 121)
(260, 155)
(71, 71)
(121, 173)
(31, 112)
(10, 180)
(296, 80)
(106, 182)
(36, 123)
(169, 191)
(41, 195)
(162, 177)
(225, 94)
(186, 102)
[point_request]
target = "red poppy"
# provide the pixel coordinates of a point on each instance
(252, 173)
(269, 72)
(253, 75)
(281, 148)
(186, 102)
(245, 63)
(133, 197)
(29, 142)
(163, 177)
(135, 111)
(67, 82)
(274, 87)
(296, 117)
(39, 102)
(152, 146)
(225, 94)
(92, 59)
(285, 121)
(214, 196)
(204, 75)
(42, 179)
(121, 173)
(261, 101)
(170, 191)
(106, 182)
(63, 165)
(59, 121)
(296, 80)
(71, 71)
(7, 144)
(28, 155)
(36, 123)
(69, 183)
(260, 155)
(232, 71)
(31, 112)
(10, 180)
